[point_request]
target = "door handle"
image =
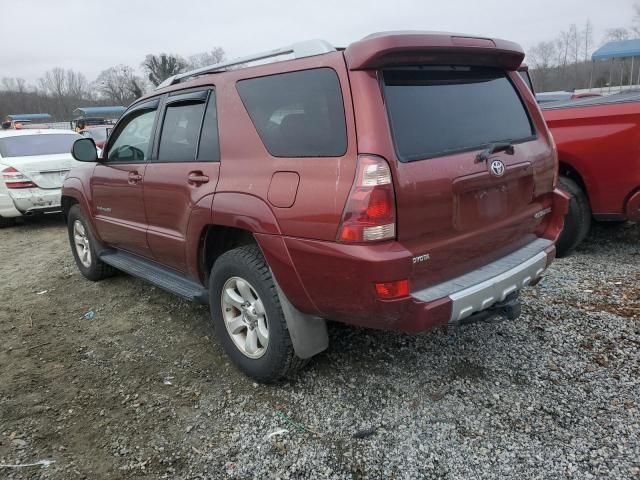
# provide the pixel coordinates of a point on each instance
(197, 178)
(134, 177)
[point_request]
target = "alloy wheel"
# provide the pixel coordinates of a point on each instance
(244, 317)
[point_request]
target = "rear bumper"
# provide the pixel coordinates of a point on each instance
(632, 209)
(7, 208)
(36, 200)
(338, 279)
(343, 289)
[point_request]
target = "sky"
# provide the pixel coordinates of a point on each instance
(92, 35)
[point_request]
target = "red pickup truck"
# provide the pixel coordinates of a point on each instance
(598, 141)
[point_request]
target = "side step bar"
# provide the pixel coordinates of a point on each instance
(160, 276)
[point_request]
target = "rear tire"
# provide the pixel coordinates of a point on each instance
(244, 303)
(7, 222)
(85, 247)
(577, 222)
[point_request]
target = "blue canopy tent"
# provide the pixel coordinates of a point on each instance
(104, 112)
(619, 49)
(29, 117)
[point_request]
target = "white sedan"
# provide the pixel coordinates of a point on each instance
(33, 165)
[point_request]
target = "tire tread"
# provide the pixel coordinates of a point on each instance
(578, 220)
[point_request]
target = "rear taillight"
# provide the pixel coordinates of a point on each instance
(14, 179)
(370, 212)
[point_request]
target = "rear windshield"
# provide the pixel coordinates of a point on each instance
(437, 111)
(28, 145)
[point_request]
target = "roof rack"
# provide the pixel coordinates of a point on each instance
(308, 48)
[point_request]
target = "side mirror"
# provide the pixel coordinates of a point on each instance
(84, 150)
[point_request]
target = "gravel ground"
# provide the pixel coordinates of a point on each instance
(143, 391)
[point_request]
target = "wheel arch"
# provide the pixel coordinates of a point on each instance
(73, 194)
(565, 169)
(240, 219)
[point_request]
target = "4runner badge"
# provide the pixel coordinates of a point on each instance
(497, 168)
(421, 258)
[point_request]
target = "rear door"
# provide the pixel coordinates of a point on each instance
(182, 173)
(116, 184)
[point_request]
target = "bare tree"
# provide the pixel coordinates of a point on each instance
(635, 27)
(215, 55)
(13, 84)
(541, 57)
(76, 85)
(120, 85)
(53, 82)
(160, 67)
(587, 39)
(617, 34)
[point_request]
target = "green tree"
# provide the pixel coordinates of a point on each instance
(160, 67)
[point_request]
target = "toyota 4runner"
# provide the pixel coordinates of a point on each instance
(405, 182)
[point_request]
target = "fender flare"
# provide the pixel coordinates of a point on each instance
(73, 188)
(308, 332)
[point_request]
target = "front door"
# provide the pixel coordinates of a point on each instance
(182, 174)
(116, 185)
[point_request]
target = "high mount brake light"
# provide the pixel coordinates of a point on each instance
(14, 179)
(370, 212)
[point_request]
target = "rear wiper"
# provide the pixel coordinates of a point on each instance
(496, 147)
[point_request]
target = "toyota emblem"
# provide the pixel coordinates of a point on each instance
(497, 168)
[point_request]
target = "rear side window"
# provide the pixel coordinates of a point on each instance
(524, 75)
(437, 111)
(180, 132)
(298, 114)
(32, 145)
(209, 149)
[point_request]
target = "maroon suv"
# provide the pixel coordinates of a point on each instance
(402, 183)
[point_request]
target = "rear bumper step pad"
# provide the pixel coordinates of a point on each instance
(480, 289)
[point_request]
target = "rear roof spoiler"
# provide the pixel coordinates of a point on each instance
(431, 48)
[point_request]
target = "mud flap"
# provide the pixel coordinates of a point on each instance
(308, 333)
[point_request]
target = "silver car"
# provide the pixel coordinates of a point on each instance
(33, 164)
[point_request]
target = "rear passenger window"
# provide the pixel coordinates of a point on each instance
(298, 114)
(437, 111)
(180, 132)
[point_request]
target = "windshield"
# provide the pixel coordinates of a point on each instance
(98, 134)
(30, 145)
(437, 111)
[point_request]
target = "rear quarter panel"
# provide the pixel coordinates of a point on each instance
(247, 167)
(602, 143)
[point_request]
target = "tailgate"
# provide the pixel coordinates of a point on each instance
(472, 161)
(468, 182)
(471, 174)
